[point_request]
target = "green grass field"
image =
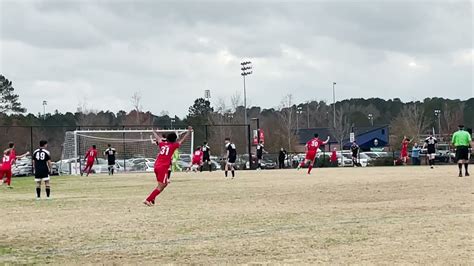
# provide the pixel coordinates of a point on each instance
(363, 215)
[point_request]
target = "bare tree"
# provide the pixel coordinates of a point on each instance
(410, 122)
(137, 106)
(286, 114)
(343, 124)
(453, 116)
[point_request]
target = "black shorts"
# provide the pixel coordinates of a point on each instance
(41, 175)
(462, 153)
(259, 156)
(431, 151)
(206, 158)
(232, 159)
(111, 162)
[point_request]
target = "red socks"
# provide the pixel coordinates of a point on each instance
(153, 195)
(309, 168)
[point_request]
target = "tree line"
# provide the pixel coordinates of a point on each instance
(280, 123)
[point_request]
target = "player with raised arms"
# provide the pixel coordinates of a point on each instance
(163, 161)
(206, 156)
(42, 168)
(9, 158)
(404, 151)
(430, 143)
(91, 156)
(312, 147)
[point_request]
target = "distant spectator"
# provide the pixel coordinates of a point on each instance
(415, 154)
(355, 154)
(282, 158)
(333, 158)
(404, 152)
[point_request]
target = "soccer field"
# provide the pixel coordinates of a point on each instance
(351, 215)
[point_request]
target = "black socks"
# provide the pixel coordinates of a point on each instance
(38, 192)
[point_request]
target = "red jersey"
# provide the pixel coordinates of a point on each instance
(167, 149)
(7, 161)
(314, 144)
(197, 157)
(405, 145)
(91, 154)
(334, 156)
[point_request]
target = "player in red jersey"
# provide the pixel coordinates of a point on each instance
(163, 161)
(91, 155)
(196, 163)
(9, 158)
(312, 147)
(404, 152)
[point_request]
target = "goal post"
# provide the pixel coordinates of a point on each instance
(129, 144)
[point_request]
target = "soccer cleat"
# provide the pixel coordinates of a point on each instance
(9, 187)
(148, 203)
(466, 174)
(460, 175)
(431, 167)
(38, 198)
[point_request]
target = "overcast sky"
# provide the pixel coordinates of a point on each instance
(101, 52)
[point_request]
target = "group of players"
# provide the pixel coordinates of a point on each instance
(461, 140)
(41, 167)
(170, 143)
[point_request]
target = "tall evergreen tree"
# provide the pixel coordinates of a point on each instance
(9, 101)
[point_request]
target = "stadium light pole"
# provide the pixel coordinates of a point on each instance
(44, 109)
(437, 113)
(246, 68)
(334, 103)
(299, 110)
(307, 114)
(371, 119)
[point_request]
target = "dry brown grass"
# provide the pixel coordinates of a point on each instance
(371, 215)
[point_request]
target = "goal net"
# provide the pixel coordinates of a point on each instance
(134, 148)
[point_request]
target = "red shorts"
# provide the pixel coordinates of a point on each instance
(90, 163)
(161, 173)
(5, 173)
(198, 162)
(311, 155)
(404, 154)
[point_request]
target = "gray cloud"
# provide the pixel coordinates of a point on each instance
(105, 51)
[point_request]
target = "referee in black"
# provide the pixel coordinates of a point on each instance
(42, 168)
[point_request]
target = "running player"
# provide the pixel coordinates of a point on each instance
(231, 157)
(312, 147)
(206, 156)
(430, 143)
(9, 158)
(163, 161)
(42, 168)
(260, 151)
(110, 153)
(91, 155)
(404, 152)
(462, 141)
(197, 160)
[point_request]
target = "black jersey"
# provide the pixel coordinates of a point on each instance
(41, 157)
(431, 144)
(259, 151)
(206, 151)
(355, 150)
(230, 147)
(110, 152)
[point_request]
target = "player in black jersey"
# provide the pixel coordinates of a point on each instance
(206, 156)
(42, 168)
(110, 153)
(430, 144)
(231, 157)
(260, 151)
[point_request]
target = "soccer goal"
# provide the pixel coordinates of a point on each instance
(132, 146)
